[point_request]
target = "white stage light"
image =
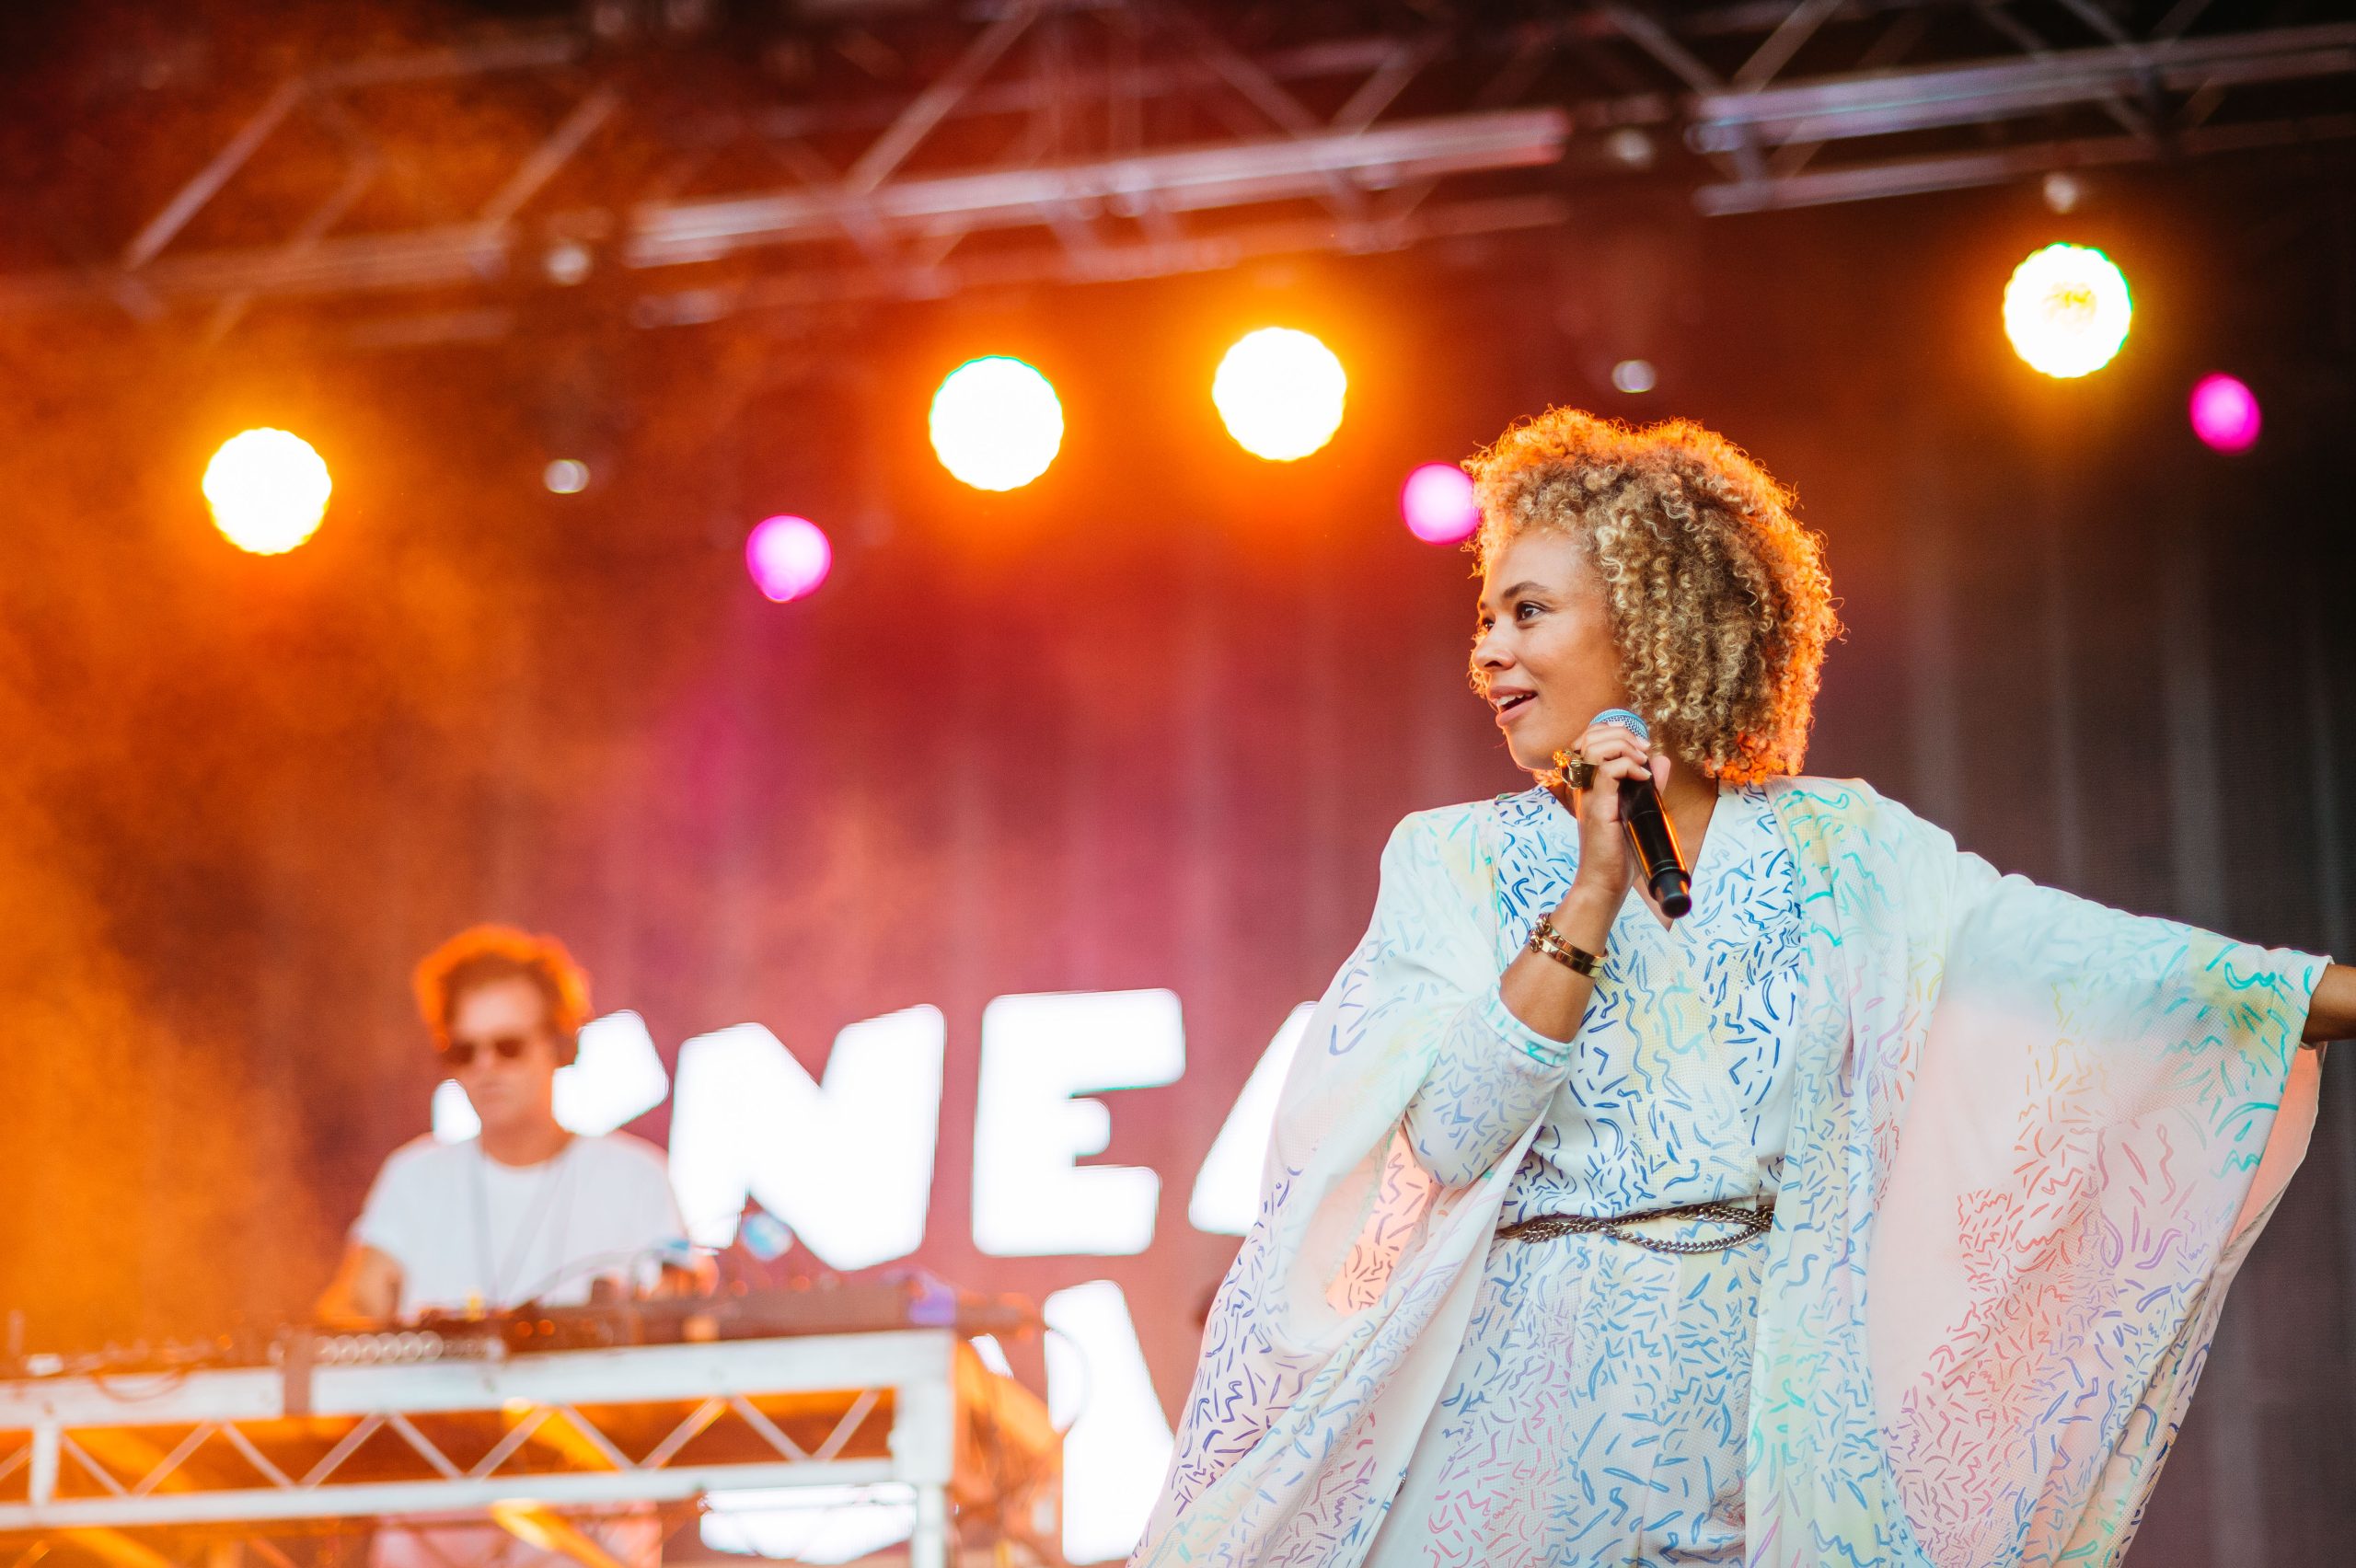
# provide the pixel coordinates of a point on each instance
(997, 423)
(2067, 310)
(1634, 375)
(2063, 192)
(1280, 393)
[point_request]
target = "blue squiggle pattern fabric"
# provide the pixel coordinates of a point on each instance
(2031, 1140)
(1598, 1409)
(1744, 939)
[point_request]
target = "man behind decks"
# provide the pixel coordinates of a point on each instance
(526, 1211)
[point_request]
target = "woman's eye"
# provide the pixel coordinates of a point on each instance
(1524, 610)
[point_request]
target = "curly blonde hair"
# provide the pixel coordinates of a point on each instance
(1717, 596)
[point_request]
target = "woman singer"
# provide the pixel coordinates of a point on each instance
(1879, 1210)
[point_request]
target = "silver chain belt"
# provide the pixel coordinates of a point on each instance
(1754, 1222)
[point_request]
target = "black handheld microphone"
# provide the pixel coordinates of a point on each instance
(1651, 834)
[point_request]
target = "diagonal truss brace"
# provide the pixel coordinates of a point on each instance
(1186, 179)
(1886, 102)
(1761, 126)
(521, 1432)
(527, 54)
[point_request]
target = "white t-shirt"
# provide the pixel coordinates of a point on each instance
(469, 1231)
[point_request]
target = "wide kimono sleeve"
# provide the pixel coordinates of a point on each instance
(2027, 1182)
(1327, 1341)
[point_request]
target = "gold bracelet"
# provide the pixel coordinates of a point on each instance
(1544, 939)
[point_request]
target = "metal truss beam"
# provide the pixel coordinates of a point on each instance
(1189, 179)
(1107, 203)
(1960, 171)
(536, 53)
(1891, 101)
(394, 1498)
(408, 1437)
(690, 232)
(1109, 264)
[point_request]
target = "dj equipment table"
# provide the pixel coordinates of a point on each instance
(588, 1430)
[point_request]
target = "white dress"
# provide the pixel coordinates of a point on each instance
(1596, 1411)
(2030, 1141)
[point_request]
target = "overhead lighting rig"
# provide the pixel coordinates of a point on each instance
(699, 162)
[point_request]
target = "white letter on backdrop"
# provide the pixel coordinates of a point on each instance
(1227, 1189)
(1030, 1199)
(1116, 1446)
(848, 1166)
(618, 1077)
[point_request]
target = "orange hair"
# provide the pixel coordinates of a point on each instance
(483, 955)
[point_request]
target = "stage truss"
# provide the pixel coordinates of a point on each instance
(691, 162)
(117, 1464)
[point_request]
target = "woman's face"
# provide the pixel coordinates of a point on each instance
(1543, 656)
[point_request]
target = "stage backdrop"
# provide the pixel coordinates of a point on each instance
(954, 910)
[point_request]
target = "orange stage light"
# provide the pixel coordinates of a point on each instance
(268, 489)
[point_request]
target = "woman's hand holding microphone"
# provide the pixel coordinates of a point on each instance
(1605, 755)
(1547, 986)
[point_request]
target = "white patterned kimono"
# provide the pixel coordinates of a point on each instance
(2030, 1140)
(1598, 1410)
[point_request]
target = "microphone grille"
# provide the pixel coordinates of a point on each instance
(1626, 720)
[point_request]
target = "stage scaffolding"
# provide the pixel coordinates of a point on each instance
(117, 1463)
(702, 160)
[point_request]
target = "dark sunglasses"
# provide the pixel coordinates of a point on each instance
(461, 1053)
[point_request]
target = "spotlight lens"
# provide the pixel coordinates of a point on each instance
(1280, 392)
(995, 423)
(268, 491)
(787, 557)
(2067, 310)
(1437, 505)
(2224, 413)
(2063, 192)
(566, 476)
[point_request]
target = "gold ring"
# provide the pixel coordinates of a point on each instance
(1577, 772)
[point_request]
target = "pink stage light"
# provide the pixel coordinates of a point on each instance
(2224, 413)
(1436, 503)
(787, 557)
